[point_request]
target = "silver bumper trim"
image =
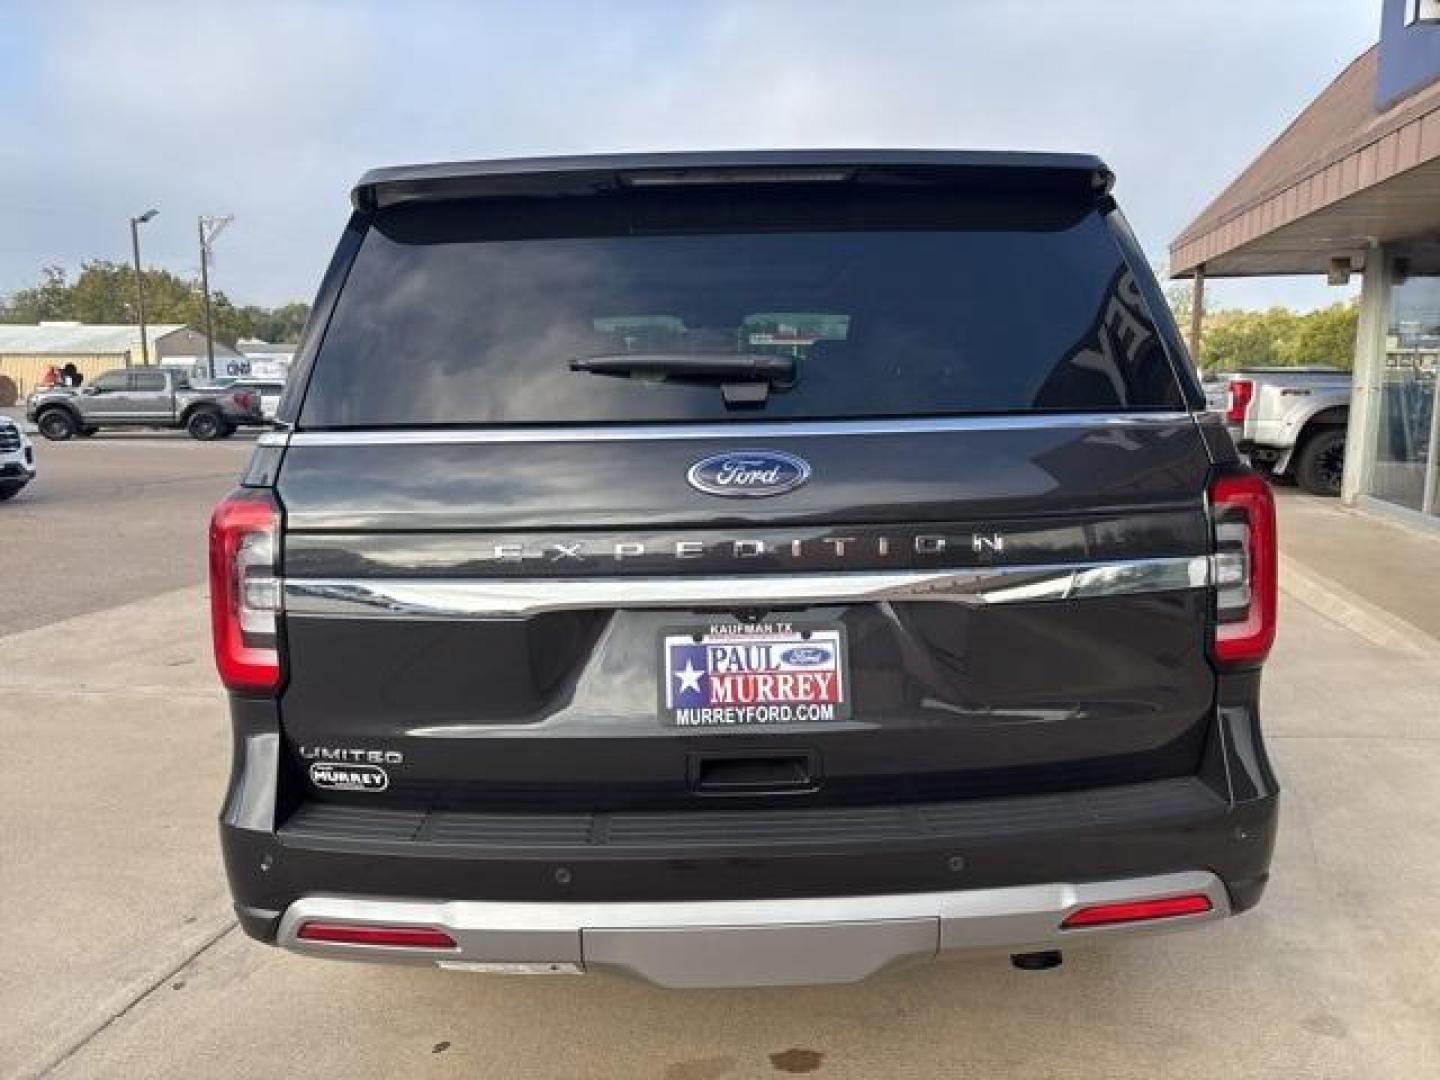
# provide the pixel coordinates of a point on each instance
(480, 598)
(723, 943)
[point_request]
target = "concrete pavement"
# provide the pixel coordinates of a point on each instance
(121, 958)
(109, 874)
(1389, 566)
(125, 966)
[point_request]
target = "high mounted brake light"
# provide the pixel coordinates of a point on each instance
(244, 591)
(1240, 391)
(679, 177)
(1246, 568)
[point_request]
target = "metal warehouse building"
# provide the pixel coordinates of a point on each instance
(1354, 185)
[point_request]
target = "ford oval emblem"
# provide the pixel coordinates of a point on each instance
(805, 656)
(748, 474)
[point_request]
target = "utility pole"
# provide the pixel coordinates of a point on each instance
(1197, 314)
(210, 228)
(135, 223)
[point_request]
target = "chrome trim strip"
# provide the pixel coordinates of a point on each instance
(750, 430)
(775, 942)
(273, 438)
(490, 598)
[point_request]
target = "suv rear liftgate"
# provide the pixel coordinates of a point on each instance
(741, 569)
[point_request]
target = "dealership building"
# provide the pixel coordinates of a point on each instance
(1352, 187)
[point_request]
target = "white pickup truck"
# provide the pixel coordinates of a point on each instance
(1289, 421)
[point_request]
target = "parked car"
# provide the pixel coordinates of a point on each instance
(269, 391)
(1291, 422)
(17, 459)
(142, 397)
(742, 569)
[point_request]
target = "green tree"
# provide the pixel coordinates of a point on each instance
(104, 292)
(1234, 339)
(1279, 337)
(278, 325)
(48, 300)
(1324, 337)
(1180, 296)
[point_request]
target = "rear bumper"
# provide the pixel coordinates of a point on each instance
(774, 942)
(924, 878)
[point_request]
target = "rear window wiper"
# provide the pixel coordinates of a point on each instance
(717, 365)
(745, 378)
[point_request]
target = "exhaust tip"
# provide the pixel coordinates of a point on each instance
(1038, 961)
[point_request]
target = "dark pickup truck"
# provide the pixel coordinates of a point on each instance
(742, 569)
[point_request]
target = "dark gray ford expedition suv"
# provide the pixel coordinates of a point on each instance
(742, 569)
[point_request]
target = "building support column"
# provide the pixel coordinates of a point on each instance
(1197, 314)
(1369, 377)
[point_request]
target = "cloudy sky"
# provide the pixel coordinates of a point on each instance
(270, 111)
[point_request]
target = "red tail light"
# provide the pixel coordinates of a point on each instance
(244, 591)
(244, 399)
(1246, 568)
(1138, 911)
(396, 937)
(1241, 391)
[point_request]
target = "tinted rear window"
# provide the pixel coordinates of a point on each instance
(462, 314)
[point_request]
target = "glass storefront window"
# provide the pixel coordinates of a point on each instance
(1406, 450)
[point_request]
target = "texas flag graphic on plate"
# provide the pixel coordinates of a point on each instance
(768, 676)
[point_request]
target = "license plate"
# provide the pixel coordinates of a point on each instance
(765, 673)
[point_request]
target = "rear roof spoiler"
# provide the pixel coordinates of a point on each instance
(1077, 175)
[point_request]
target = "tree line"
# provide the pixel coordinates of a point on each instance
(1231, 338)
(104, 292)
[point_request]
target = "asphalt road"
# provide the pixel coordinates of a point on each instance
(108, 520)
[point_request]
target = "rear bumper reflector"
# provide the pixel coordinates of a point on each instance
(792, 941)
(390, 937)
(1138, 911)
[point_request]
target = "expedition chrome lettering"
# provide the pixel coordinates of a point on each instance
(837, 547)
